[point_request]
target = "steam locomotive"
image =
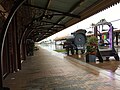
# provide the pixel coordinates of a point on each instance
(75, 42)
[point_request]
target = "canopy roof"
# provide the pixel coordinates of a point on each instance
(52, 16)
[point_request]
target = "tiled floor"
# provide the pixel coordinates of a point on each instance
(49, 70)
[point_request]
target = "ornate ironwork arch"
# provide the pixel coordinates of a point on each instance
(15, 7)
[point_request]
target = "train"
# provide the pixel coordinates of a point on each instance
(77, 41)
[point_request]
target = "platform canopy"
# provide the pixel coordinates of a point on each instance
(53, 16)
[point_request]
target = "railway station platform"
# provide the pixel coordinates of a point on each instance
(49, 70)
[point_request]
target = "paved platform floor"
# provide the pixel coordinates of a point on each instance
(49, 70)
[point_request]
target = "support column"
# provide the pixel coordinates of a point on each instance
(23, 50)
(17, 45)
(117, 34)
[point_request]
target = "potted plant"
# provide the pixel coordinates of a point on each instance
(92, 43)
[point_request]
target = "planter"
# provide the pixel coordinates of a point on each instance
(90, 58)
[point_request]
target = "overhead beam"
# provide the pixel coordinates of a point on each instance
(76, 5)
(64, 13)
(53, 23)
(47, 5)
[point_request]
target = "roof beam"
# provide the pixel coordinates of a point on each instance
(50, 23)
(47, 6)
(62, 13)
(54, 23)
(76, 5)
(72, 9)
